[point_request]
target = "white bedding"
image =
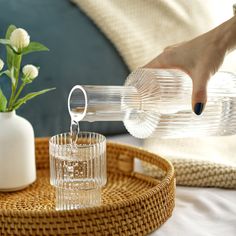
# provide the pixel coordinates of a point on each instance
(198, 211)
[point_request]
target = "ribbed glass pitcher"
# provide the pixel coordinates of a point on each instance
(158, 102)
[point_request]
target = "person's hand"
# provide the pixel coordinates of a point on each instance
(200, 58)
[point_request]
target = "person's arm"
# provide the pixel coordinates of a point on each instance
(200, 58)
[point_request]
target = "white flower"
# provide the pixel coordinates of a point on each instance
(1, 64)
(19, 38)
(30, 71)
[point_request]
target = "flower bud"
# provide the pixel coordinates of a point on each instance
(30, 71)
(1, 64)
(19, 39)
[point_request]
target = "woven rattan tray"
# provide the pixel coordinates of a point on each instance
(133, 204)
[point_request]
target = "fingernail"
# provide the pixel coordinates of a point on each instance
(198, 108)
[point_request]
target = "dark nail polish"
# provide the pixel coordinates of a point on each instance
(198, 108)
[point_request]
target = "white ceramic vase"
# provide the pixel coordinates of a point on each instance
(17, 152)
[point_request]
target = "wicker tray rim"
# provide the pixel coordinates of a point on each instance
(109, 206)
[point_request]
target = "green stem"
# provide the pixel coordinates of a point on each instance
(17, 67)
(11, 98)
(18, 93)
(16, 72)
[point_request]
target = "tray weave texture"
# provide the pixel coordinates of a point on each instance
(133, 204)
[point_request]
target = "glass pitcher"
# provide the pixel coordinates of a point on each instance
(158, 102)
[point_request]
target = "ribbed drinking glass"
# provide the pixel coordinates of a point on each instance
(78, 169)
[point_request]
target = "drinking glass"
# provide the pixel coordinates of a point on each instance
(77, 169)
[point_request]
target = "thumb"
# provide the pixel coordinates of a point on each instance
(199, 93)
(155, 63)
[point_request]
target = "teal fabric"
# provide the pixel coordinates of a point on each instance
(79, 54)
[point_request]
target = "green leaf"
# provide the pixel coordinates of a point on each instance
(5, 41)
(3, 102)
(34, 47)
(5, 72)
(29, 96)
(10, 29)
(10, 53)
(9, 74)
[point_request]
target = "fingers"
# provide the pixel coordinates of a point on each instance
(199, 93)
(176, 57)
